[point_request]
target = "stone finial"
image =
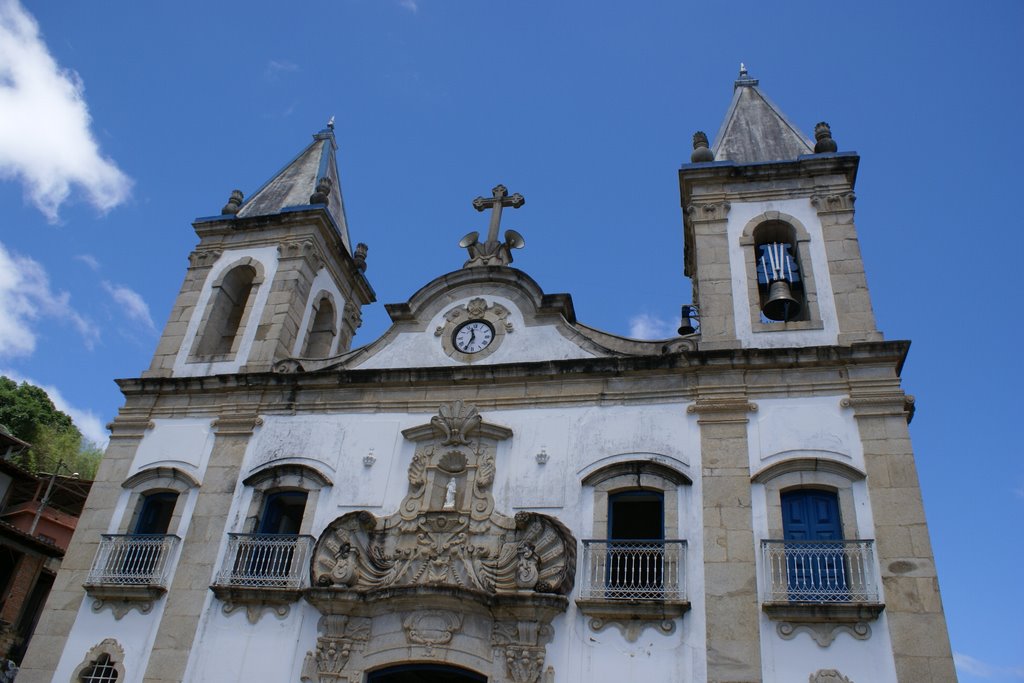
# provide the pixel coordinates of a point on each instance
(824, 143)
(234, 203)
(360, 257)
(701, 152)
(323, 191)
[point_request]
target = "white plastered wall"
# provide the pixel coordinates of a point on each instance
(740, 214)
(522, 344)
(185, 444)
(578, 440)
(814, 427)
(323, 282)
(267, 257)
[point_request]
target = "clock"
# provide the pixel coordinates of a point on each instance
(473, 336)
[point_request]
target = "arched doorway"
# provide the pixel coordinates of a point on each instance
(424, 673)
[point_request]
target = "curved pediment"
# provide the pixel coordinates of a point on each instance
(507, 318)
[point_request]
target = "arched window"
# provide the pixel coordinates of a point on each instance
(100, 671)
(780, 283)
(322, 332)
(103, 663)
(226, 311)
(418, 673)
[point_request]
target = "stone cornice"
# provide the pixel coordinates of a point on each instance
(811, 165)
(609, 380)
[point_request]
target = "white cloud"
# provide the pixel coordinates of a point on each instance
(89, 260)
(647, 326)
(45, 140)
(277, 67)
(134, 306)
(87, 421)
(25, 297)
(411, 5)
(966, 664)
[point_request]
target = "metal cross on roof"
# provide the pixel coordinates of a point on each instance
(492, 252)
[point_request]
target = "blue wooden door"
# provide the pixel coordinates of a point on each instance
(810, 519)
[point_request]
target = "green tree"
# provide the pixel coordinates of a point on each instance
(24, 408)
(27, 412)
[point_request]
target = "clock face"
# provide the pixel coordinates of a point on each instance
(474, 336)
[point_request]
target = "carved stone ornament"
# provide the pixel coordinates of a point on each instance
(828, 676)
(255, 609)
(339, 636)
(493, 314)
(710, 211)
(204, 258)
(446, 554)
(122, 607)
(431, 627)
(842, 201)
(823, 633)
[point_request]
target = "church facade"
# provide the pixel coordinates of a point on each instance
(493, 490)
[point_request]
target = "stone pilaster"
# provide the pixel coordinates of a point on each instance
(298, 262)
(712, 277)
(200, 263)
(730, 573)
(913, 606)
(194, 573)
(846, 267)
(66, 596)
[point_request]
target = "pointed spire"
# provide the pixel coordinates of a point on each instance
(755, 129)
(311, 178)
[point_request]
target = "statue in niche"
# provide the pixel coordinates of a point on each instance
(449, 495)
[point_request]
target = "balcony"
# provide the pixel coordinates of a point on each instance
(131, 570)
(821, 586)
(633, 584)
(263, 571)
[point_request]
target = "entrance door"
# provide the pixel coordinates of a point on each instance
(636, 551)
(424, 673)
(815, 567)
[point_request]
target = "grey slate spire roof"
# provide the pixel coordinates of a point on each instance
(295, 184)
(755, 129)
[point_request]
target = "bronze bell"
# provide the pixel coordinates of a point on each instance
(781, 305)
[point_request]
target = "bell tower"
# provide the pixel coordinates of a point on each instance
(770, 242)
(274, 276)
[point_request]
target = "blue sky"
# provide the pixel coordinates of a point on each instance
(120, 122)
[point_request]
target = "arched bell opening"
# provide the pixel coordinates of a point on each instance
(780, 283)
(424, 673)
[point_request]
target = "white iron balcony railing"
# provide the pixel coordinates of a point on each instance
(266, 561)
(133, 560)
(819, 571)
(633, 570)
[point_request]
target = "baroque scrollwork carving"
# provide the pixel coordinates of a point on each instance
(496, 315)
(828, 676)
(823, 633)
(431, 628)
(340, 635)
(448, 556)
(522, 645)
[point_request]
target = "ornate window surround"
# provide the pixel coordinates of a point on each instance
(153, 480)
(275, 477)
(194, 355)
(635, 473)
(109, 647)
(821, 621)
(813, 319)
(122, 598)
(284, 477)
